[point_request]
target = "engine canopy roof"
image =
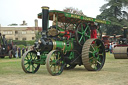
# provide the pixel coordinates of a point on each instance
(65, 17)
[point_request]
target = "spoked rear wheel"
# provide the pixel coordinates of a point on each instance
(54, 63)
(82, 33)
(93, 54)
(30, 62)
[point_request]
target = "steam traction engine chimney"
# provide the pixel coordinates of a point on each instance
(125, 32)
(114, 37)
(45, 17)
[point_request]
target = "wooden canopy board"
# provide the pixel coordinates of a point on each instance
(71, 18)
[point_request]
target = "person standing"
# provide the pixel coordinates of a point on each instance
(23, 50)
(15, 51)
(19, 52)
(110, 47)
(93, 28)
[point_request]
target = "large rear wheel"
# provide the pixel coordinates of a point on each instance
(30, 62)
(93, 54)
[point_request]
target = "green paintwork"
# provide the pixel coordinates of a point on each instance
(65, 46)
(43, 57)
(71, 56)
(75, 18)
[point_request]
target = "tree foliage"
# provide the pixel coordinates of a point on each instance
(73, 11)
(116, 12)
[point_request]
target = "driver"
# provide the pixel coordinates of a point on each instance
(93, 28)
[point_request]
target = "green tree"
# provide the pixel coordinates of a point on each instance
(73, 11)
(38, 35)
(114, 11)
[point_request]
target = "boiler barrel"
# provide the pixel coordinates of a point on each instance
(65, 46)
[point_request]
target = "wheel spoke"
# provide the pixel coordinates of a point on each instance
(84, 39)
(95, 67)
(80, 38)
(85, 29)
(91, 58)
(33, 65)
(27, 58)
(87, 36)
(51, 66)
(82, 28)
(28, 67)
(98, 62)
(35, 57)
(79, 32)
(99, 46)
(26, 63)
(32, 69)
(90, 52)
(92, 47)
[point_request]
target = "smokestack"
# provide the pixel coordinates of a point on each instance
(114, 37)
(45, 17)
(36, 23)
(125, 31)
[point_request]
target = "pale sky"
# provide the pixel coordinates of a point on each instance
(15, 11)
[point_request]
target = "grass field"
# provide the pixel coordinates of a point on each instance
(114, 72)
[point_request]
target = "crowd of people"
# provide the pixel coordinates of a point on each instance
(18, 52)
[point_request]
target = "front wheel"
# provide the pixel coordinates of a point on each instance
(93, 54)
(30, 62)
(54, 63)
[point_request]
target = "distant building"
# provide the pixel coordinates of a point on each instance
(20, 32)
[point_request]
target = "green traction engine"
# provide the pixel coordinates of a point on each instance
(65, 44)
